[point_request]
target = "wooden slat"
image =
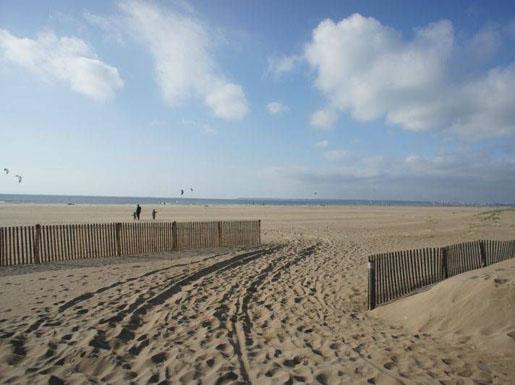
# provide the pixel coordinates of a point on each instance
(48, 240)
(31, 230)
(105, 251)
(17, 243)
(2, 245)
(423, 267)
(427, 266)
(384, 295)
(132, 237)
(18, 248)
(92, 239)
(8, 246)
(87, 240)
(61, 242)
(66, 243)
(78, 242)
(13, 241)
(398, 272)
(8, 253)
(56, 242)
(413, 259)
(101, 240)
(379, 278)
(96, 239)
(130, 242)
(413, 273)
(96, 232)
(102, 237)
(397, 276)
(387, 275)
(23, 255)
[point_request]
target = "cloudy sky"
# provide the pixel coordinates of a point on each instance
(354, 100)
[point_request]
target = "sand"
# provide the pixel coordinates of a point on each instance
(291, 312)
(483, 309)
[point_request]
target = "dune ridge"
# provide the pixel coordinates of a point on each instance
(477, 306)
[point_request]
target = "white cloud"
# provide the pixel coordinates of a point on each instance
(336, 155)
(465, 176)
(278, 66)
(275, 108)
(227, 100)
(67, 60)
(369, 70)
(324, 118)
(322, 144)
(110, 25)
(185, 65)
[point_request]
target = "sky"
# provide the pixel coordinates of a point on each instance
(407, 100)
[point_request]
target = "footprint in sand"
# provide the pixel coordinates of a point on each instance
(53, 380)
(389, 365)
(159, 358)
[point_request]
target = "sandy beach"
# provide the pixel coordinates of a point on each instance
(291, 312)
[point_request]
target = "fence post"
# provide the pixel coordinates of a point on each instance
(371, 283)
(445, 268)
(118, 239)
(3, 255)
(174, 235)
(220, 235)
(37, 243)
(483, 253)
(259, 232)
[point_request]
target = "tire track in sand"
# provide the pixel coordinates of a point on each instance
(135, 310)
(241, 331)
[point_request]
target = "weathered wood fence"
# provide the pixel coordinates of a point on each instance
(48, 243)
(392, 275)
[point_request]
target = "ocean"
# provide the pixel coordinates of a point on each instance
(112, 200)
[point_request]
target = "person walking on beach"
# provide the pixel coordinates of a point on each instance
(138, 211)
(154, 212)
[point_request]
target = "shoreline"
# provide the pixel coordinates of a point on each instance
(298, 202)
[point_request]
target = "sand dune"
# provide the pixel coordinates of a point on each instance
(291, 312)
(477, 307)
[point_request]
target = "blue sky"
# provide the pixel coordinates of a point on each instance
(356, 99)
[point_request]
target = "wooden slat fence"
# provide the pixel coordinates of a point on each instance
(51, 243)
(463, 257)
(497, 251)
(395, 274)
(401, 272)
(239, 233)
(197, 235)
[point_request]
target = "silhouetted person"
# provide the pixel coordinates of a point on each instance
(138, 211)
(154, 212)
